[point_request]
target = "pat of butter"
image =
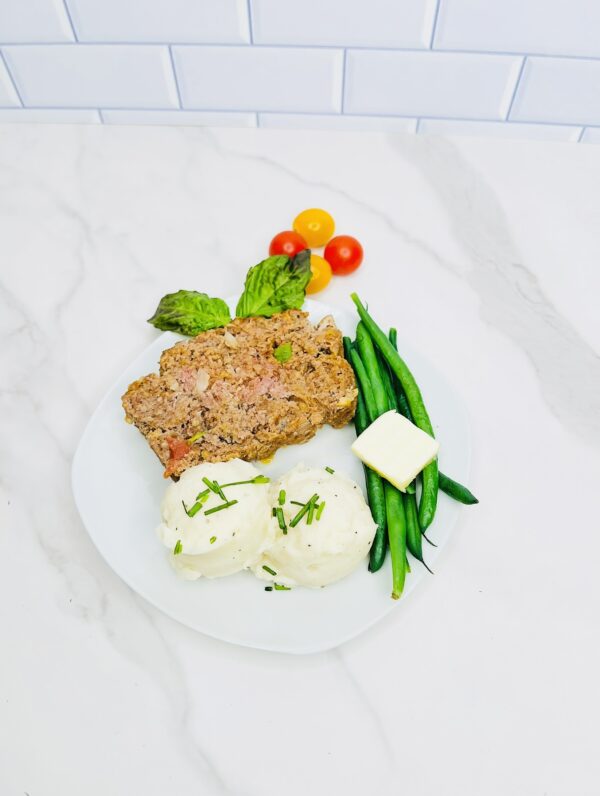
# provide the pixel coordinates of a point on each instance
(395, 448)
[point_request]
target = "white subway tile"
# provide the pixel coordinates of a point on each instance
(563, 90)
(178, 117)
(591, 135)
(430, 83)
(377, 23)
(553, 27)
(48, 116)
(90, 75)
(516, 130)
(34, 21)
(259, 78)
(309, 121)
(210, 21)
(8, 95)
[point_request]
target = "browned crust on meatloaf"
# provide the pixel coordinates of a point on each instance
(227, 385)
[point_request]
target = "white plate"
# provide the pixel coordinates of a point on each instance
(118, 485)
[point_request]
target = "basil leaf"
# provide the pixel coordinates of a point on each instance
(283, 352)
(190, 313)
(274, 285)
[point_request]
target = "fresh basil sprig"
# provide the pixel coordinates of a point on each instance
(190, 313)
(275, 285)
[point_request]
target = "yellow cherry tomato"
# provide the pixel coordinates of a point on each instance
(316, 226)
(321, 274)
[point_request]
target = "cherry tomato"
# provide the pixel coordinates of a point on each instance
(344, 254)
(321, 274)
(288, 242)
(316, 226)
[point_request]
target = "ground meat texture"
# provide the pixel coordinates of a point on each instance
(226, 388)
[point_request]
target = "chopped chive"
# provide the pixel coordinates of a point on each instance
(226, 505)
(274, 511)
(211, 485)
(268, 588)
(269, 570)
(311, 510)
(178, 547)
(194, 510)
(320, 509)
(213, 539)
(258, 479)
(282, 497)
(279, 587)
(203, 496)
(330, 470)
(303, 510)
(195, 438)
(281, 519)
(297, 503)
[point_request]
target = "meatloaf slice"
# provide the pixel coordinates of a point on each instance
(224, 394)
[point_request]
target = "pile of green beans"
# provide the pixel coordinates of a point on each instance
(385, 382)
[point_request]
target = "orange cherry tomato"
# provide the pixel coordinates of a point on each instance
(288, 242)
(321, 274)
(316, 226)
(344, 254)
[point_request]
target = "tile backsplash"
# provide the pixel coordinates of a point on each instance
(506, 68)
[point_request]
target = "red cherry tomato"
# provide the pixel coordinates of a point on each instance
(344, 254)
(288, 242)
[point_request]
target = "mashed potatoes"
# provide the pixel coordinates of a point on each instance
(222, 542)
(329, 548)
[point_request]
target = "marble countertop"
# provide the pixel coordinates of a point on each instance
(484, 681)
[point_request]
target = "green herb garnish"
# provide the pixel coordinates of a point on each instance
(281, 520)
(279, 587)
(297, 503)
(274, 511)
(305, 508)
(178, 547)
(258, 479)
(213, 539)
(268, 588)
(320, 509)
(194, 510)
(311, 509)
(195, 438)
(190, 313)
(283, 352)
(269, 570)
(275, 285)
(281, 499)
(220, 508)
(330, 470)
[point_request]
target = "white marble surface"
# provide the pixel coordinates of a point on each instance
(485, 680)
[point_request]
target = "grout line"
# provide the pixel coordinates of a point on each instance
(250, 25)
(515, 89)
(418, 125)
(258, 123)
(333, 47)
(435, 19)
(344, 61)
(101, 114)
(172, 60)
(70, 20)
(580, 136)
(12, 79)
(411, 116)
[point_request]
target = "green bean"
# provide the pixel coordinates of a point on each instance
(367, 353)
(364, 384)
(413, 531)
(396, 519)
(392, 401)
(457, 491)
(374, 484)
(403, 406)
(421, 419)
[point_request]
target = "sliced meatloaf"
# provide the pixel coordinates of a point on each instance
(224, 394)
